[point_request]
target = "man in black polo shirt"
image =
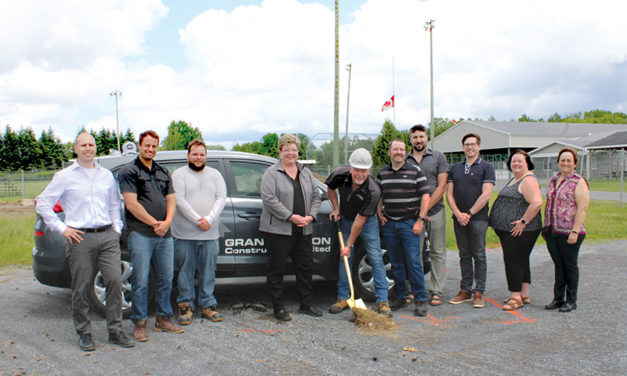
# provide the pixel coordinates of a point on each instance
(403, 214)
(357, 206)
(469, 188)
(150, 207)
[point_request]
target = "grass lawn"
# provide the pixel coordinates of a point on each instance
(607, 185)
(16, 238)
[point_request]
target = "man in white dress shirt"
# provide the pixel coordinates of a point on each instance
(200, 194)
(92, 205)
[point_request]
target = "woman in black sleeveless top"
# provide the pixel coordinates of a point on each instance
(515, 217)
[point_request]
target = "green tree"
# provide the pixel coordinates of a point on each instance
(382, 143)
(269, 145)
(524, 117)
(180, 134)
(28, 149)
(215, 147)
(10, 150)
(248, 147)
(52, 150)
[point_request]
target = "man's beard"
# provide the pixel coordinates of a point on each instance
(419, 149)
(194, 167)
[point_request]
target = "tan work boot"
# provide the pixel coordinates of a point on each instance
(462, 296)
(185, 314)
(338, 306)
(164, 324)
(140, 333)
(211, 314)
(478, 301)
(384, 309)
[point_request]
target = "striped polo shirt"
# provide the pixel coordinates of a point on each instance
(402, 191)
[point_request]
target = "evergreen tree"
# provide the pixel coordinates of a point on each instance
(380, 149)
(180, 134)
(52, 150)
(28, 149)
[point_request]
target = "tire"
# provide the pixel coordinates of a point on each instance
(97, 292)
(362, 275)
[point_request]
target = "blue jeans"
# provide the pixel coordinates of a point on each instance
(404, 250)
(372, 244)
(161, 251)
(196, 256)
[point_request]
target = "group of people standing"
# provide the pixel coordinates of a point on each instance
(169, 218)
(175, 219)
(408, 196)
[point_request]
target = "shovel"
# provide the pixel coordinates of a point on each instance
(354, 304)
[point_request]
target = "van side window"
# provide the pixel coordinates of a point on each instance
(247, 176)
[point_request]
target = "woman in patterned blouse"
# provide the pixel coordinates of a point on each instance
(567, 200)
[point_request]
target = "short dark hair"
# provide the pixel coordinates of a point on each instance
(397, 140)
(567, 150)
(196, 142)
(418, 128)
(468, 135)
(150, 133)
(530, 165)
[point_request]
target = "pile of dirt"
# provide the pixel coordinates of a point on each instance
(23, 207)
(367, 319)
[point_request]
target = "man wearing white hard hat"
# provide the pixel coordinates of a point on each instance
(359, 196)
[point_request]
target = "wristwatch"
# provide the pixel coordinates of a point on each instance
(423, 219)
(469, 212)
(522, 220)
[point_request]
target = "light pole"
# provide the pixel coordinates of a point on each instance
(117, 94)
(349, 68)
(336, 101)
(429, 28)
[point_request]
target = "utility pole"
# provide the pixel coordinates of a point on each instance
(117, 94)
(429, 27)
(348, 99)
(336, 104)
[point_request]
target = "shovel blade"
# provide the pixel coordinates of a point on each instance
(359, 304)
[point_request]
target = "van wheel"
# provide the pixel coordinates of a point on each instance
(362, 275)
(97, 292)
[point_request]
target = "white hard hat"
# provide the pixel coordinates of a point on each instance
(360, 159)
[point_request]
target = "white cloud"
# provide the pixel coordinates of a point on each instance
(269, 67)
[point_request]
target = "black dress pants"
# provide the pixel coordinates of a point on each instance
(299, 249)
(565, 257)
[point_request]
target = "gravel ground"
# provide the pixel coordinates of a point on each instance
(36, 335)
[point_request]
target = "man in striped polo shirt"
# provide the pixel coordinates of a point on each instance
(403, 213)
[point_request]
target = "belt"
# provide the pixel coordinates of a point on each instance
(96, 229)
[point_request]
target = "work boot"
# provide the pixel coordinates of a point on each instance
(164, 324)
(398, 303)
(462, 296)
(211, 314)
(478, 301)
(140, 333)
(384, 309)
(421, 308)
(185, 314)
(338, 306)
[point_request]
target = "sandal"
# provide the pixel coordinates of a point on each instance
(410, 299)
(436, 300)
(513, 304)
(525, 300)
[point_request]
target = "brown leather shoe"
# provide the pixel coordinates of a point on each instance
(185, 314)
(211, 314)
(462, 296)
(478, 301)
(140, 333)
(164, 324)
(338, 306)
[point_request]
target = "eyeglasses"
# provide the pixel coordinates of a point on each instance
(290, 150)
(470, 144)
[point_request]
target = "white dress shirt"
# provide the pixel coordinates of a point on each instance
(199, 194)
(89, 200)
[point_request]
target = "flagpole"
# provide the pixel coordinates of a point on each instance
(429, 28)
(393, 93)
(336, 93)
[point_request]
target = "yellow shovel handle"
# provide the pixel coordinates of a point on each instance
(348, 269)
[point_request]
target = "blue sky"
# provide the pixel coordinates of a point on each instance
(240, 69)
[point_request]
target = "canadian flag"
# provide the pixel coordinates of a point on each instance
(388, 104)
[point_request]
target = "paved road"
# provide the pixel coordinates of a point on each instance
(36, 336)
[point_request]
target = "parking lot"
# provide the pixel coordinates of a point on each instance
(37, 337)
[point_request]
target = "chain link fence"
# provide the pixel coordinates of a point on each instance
(24, 184)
